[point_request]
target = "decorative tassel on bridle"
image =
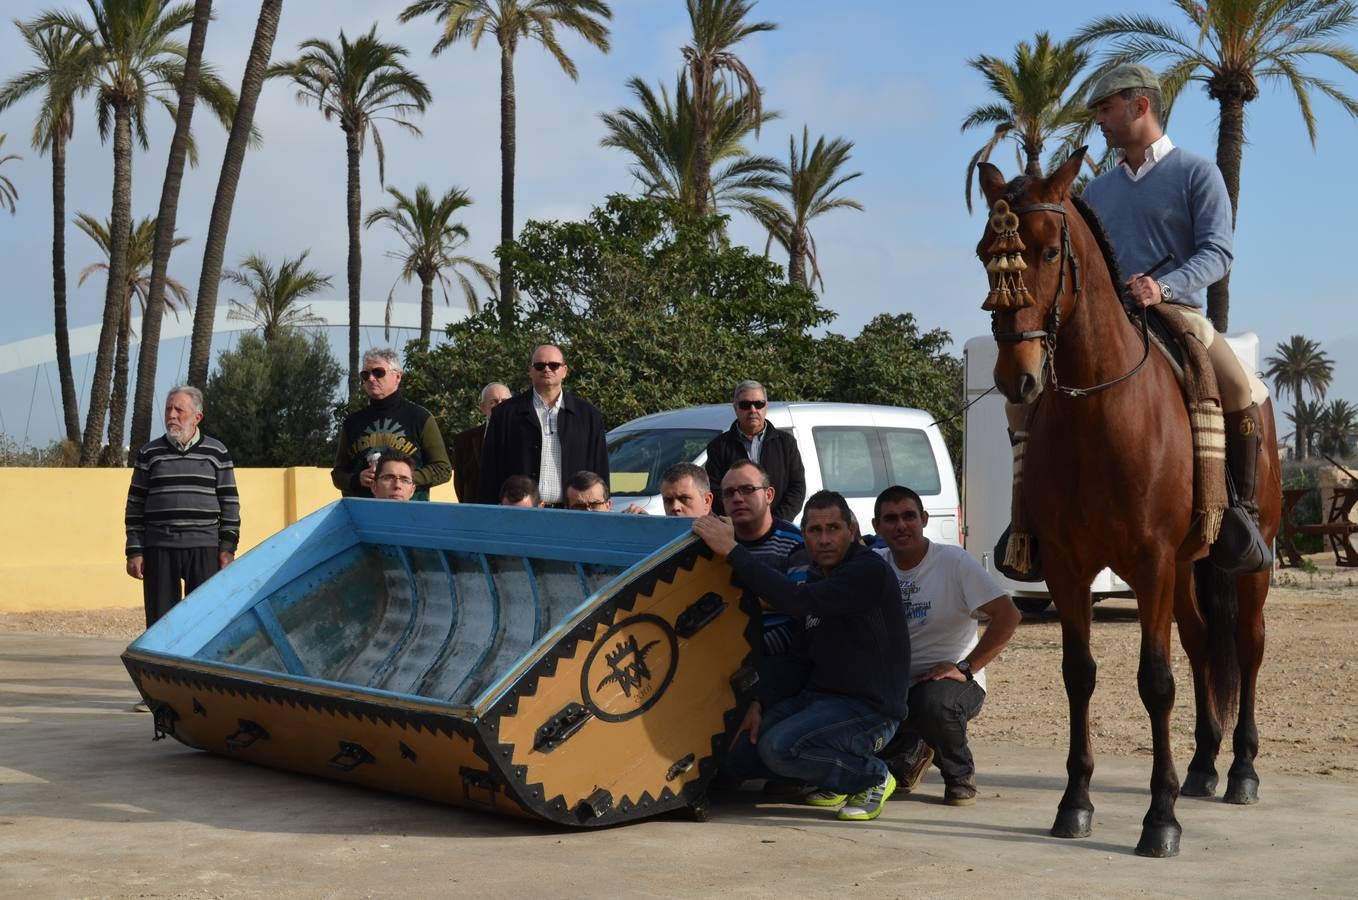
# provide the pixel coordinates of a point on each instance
(1006, 265)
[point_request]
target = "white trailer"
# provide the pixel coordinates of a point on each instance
(987, 470)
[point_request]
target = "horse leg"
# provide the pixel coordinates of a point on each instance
(1242, 781)
(1201, 780)
(1075, 813)
(1160, 830)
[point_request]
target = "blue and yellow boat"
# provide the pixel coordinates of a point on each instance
(581, 668)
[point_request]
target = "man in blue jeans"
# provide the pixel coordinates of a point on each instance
(857, 661)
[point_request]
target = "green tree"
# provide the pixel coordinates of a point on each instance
(662, 137)
(1233, 46)
(8, 192)
(809, 182)
(1337, 429)
(509, 22)
(62, 73)
(233, 159)
(1300, 365)
(271, 401)
(135, 60)
(357, 84)
(1036, 102)
(275, 293)
(140, 252)
(432, 238)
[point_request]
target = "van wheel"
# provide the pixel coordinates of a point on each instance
(1033, 606)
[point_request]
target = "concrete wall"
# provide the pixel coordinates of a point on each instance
(61, 543)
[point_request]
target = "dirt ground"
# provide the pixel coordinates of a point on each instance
(1308, 723)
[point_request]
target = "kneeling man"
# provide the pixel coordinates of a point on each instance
(943, 590)
(857, 656)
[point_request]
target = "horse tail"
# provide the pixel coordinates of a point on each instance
(1220, 610)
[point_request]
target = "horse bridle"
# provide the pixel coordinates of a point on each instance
(1053, 323)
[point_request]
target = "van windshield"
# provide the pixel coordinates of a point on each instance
(637, 459)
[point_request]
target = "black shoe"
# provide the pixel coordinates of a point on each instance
(1239, 548)
(961, 792)
(909, 767)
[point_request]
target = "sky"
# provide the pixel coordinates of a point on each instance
(892, 77)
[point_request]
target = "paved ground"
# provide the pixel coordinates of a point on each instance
(89, 806)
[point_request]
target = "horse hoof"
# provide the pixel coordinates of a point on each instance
(1242, 791)
(1159, 842)
(1073, 823)
(1199, 784)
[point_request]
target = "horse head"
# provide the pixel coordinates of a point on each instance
(1034, 274)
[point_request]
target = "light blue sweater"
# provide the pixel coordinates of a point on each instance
(1180, 207)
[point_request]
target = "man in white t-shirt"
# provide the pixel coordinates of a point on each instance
(944, 591)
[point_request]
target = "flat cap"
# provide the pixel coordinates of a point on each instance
(1125, 76)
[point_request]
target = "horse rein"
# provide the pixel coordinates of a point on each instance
(1053, 323)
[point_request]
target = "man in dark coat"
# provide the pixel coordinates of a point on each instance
(544, 433)
(751, 436)
(467, 448)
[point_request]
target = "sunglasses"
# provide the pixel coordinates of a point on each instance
(751, 404)
(744, 490)
(377, 372)
(544, 366)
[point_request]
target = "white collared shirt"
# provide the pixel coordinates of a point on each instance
(1154, 153)
(549, 464)
(197, 436)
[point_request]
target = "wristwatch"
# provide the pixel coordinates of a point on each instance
(965, 668)
(1166, 293)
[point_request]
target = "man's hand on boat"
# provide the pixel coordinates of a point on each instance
(716, 532)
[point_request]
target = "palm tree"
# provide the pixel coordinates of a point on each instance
(275, 293)
(1036, 102)
(357, 84)
(811, 178)
(60, 75)
(1305, 418)
(512, 21)
(1232, 47)
(431, 238)
(135, 59)
(137, 284)
(1300, 365)
(8, 192)
(1337, 428)
(233, 160)
(165, 226)
(713, 69)
(662, 137)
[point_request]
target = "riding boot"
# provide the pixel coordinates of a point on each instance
(1243, 437)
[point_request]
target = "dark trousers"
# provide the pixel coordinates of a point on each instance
(169, 573)
(939, 713)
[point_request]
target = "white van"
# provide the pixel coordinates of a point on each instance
(855, 449)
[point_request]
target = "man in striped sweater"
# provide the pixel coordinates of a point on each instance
(183, 512)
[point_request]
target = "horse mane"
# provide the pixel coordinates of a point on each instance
(1014, 190)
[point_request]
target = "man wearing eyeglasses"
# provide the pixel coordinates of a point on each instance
(388, 422)
(395, 477)
(467, 447)
(751, 436)
(546, 433)
(587, 492)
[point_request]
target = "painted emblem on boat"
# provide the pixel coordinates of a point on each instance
(629, 668)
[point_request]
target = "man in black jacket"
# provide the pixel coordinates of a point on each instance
(544, 433)
(751, 436)
(857, 654)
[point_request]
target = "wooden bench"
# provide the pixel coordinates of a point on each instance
(1337, 528)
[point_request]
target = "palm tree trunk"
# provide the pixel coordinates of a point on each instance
(70, 401)
(796, 261)
(355, 206)
(1230, 143)
(702, 153)
(112, 456)
(214, 248)
(507, 148)
(144, 402)
(120, 233)
(426, 309)
(1300, 437)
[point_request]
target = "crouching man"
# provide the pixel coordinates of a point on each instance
(857, 661)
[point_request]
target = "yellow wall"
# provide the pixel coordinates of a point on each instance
(62, 538)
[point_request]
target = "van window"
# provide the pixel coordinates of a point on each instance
(637, 459)
(910, 458)
(850, 461)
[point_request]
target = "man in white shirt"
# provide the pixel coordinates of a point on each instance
(944, 591)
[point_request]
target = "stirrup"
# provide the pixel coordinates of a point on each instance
(1034, 573)
(1239, 548)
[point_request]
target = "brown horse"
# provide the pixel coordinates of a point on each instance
(1107, 482)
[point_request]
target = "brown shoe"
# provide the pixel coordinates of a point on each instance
(960, 793)
(909, 768)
